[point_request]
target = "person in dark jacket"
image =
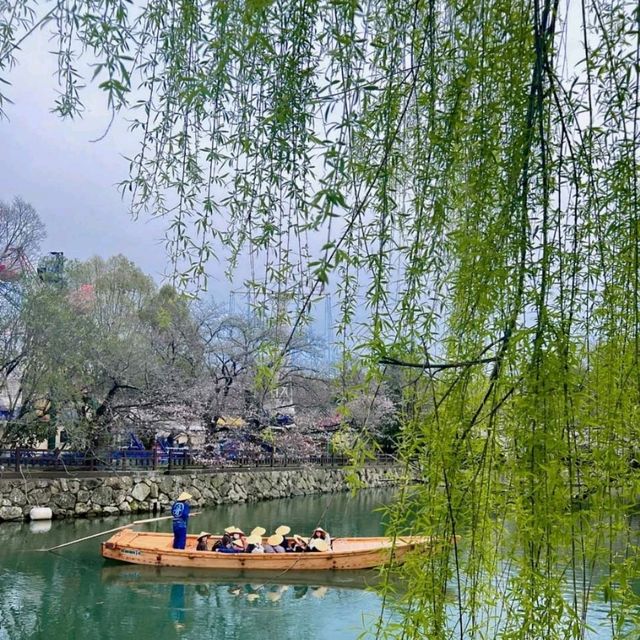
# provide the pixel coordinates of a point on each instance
(284, 530)
(236, 546)
(300, 544)
(180, 513)
(222, 543)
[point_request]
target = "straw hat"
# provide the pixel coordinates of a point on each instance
(302, 539)
(184, 496)
(251, 597)
(234, 529)
(283, 529)
(319, 529)
(275, 539)
(319, 544)
(254, 539)
(258, 531)
(238, 543)
(203, 534)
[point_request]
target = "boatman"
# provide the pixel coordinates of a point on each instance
(180, 513)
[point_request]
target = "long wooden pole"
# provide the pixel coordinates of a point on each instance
(102, 533)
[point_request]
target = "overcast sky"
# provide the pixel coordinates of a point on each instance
(70, 180)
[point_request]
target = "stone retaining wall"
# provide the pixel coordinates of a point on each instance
(145, 492)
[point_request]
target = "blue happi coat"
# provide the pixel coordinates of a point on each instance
(180, 513)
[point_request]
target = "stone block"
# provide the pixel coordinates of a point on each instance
(65, 501)
(81, 508)
(10, 513)
(167, 485)
(140, 491)
(18, 498)
(102, 496)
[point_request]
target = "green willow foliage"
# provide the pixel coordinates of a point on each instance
(472, 168)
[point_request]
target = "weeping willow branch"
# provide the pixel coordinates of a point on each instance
(433, 366)
(450, 171)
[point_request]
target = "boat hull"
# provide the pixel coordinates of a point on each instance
(154, 549)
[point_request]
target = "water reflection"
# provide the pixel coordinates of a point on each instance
(124, 574)
(40, 526)
(176, 605)
(251, 604)
(248, 610)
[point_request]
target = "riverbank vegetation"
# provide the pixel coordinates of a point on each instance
(472, 168)
(97, 355)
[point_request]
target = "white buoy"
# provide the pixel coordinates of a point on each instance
(40, 513)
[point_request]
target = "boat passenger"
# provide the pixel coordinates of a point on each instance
(222, 543)
(319, 532)
(235, 547)
(290, 545)
(237, 533)
(203, 540)
(254, 544)
(283, 530)
(300, 544)
(318, 544)
(275, 542)
(180, 513)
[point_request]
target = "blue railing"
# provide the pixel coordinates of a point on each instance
(178, 458)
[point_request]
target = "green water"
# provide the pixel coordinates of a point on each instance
(74, 593)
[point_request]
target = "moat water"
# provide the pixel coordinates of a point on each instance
(74, 593)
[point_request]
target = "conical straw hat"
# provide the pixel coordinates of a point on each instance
(184, 496)
(258, 531)
(275, 539)
(283, 529)
(254, 539)
(234, 529)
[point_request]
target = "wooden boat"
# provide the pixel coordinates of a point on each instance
(150, 548)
